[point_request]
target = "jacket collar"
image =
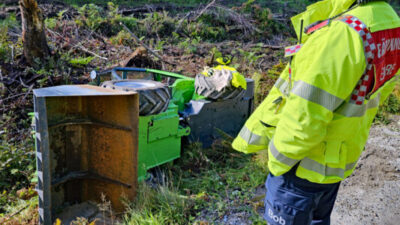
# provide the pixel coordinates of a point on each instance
(319, 11)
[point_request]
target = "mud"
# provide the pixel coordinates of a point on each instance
(372, 194)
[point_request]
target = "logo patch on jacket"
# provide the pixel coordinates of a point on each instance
(292, 50)
(387, 59)
(382, 54)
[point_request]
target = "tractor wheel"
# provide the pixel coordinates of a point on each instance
(154, 96)
(207, 87)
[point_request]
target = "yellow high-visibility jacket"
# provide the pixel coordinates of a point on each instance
(314, 121)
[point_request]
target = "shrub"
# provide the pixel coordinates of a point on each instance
(17, 164)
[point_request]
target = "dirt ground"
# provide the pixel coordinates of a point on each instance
(372, 194)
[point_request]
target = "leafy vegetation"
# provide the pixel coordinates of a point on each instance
(24, 209)
(81, 61)
(5, 45)
(390, 106)
(17, 170)
(17, 164)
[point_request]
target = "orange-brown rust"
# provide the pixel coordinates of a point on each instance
(108, 152)
(111, 150)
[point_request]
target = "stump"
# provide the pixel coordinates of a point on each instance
(33, 32)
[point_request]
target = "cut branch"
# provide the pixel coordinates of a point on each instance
(144, 45)
(273, 47)
(79, 45)
(205, 9)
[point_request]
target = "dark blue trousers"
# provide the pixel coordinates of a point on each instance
(291, 200)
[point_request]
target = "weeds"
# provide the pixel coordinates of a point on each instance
(20, 211)
(10, 21)
(5, 50)
(389, 107)
(203, 185)
(190, 45)
(92, 15)
(122, 38)
(82, 61)
(160, 205)
(17, 164)
(6, 46)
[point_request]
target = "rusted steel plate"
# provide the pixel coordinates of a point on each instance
(88, 146)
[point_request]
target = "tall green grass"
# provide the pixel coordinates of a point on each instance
(204, 184)
(160, 205)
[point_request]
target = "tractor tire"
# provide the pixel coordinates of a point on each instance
(154, 96)
(205, 86)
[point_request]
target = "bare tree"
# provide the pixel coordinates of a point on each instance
(33, 32)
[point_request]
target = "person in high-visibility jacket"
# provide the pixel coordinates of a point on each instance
(316, 119)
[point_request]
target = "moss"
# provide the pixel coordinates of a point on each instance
(81, 61)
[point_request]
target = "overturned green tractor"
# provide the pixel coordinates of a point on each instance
(92, 140)
(170, 108)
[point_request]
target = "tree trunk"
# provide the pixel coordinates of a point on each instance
(33, 32)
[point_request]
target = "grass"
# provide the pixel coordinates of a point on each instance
(5, 24)
(203, 185)
(389, 107)
(21, 212)
(161, 205)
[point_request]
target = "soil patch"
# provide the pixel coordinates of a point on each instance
(372, 194)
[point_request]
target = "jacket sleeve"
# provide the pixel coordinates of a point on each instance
(325, 72)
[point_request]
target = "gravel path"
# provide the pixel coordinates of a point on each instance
(372, 194)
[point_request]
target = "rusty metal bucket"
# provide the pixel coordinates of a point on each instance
(86, 145)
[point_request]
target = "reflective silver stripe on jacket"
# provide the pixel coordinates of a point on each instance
(324, 170)
(282, 85)
(316, 95)
(252, 138)
(280, 157)
(310, 164)
(279, 82)
(347, 109)
(352, 110)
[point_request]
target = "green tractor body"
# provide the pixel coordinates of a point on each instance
(160, 134)
(159, 139)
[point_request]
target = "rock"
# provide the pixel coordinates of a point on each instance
(85, 210)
